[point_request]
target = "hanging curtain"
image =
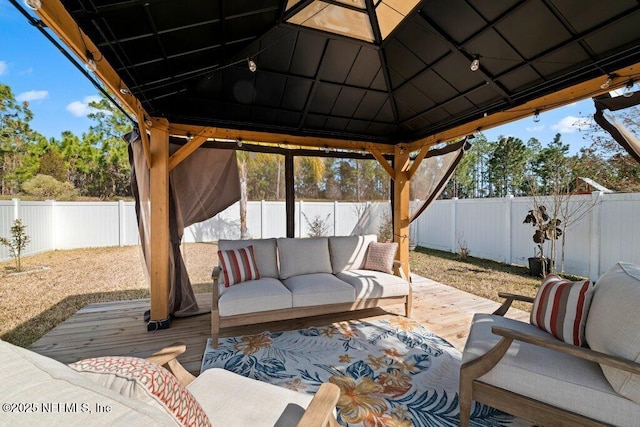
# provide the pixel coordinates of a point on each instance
(201, 186)
(433, 174)
(618, 131)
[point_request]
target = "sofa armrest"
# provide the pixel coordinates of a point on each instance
(215, 275)
(572, 350)
(167, 358)
(397, 267)
(509, 299)
(320, 410)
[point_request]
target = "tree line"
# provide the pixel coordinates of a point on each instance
(96, 164)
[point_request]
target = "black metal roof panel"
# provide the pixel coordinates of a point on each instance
(186, 60)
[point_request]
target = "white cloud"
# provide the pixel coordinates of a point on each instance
(571, 124)
(539, 128)
(4, 68)
(27, 70)
(82, 108)
(32, 95)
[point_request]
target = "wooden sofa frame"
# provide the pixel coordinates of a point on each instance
(218, 322)
(318, 414)
(471, 388)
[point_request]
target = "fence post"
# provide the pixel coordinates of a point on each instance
(508, 258)
(300, 216)
(594, 259)
(54, 222)
(16, 209)
(263, 219)
(454, 224)
(335, 217)
(121, 225)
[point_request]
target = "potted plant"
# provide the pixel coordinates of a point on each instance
(546, 229)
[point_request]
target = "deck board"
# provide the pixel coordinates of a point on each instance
(118, 328)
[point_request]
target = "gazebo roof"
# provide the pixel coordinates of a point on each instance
(379, 77)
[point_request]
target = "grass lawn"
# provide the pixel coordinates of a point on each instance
(32, 303)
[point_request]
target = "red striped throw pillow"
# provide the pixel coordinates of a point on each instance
(561, 308)
(238, 265)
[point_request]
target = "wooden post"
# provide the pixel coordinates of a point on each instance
(290, 196)
(159, 198)
(401, 205)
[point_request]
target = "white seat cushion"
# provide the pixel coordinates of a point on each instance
(349, 252)
(303, 256)
(319, 289)
(264, 251)
(232, 400)
(255, 295)
(548, 376)
(28, 378)
(374, 284)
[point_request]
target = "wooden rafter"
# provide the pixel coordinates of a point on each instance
(581, 91)
(185, 151)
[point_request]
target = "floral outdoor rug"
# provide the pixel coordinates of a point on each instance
(390, 373)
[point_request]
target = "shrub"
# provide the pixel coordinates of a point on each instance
(47, 187)
(19, 241)
(318, 227)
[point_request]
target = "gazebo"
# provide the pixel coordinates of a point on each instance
(391, 78)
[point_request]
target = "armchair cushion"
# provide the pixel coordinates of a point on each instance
(612, 325)
(238, 265)
(145, 382)
(380, 257)
(561, 308)
(546, 375)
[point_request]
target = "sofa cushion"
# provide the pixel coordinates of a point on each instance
(561, 308)
(374, 284)
(264, 251)
(546, 375)
(349, 252)
(257, 295)
(145, 382)
(225, 397)
(613, 324)
(319, 289)
(30, 378)
(238, 265)
(380, 257)
(303, 256)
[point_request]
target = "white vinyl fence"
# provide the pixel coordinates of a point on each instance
(489, 228)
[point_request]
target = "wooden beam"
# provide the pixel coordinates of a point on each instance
(159, 197)
(144, 138)
(186, 150)
(383, 162)
(416, 162)
(290, 194)
(401, 186)
(56, 17)
(581, 91)
(277, 138)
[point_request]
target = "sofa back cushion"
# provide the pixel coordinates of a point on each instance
(29, 378)
(612, 324)
(303, 256)
(264, 251)
(349, 252)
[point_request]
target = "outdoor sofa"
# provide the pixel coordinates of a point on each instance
(301, 277)
(524, 370)
(121, 391)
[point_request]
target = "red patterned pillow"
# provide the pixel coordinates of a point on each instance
(146, 382)
(380, 256)
(561, 308)
(238, 265)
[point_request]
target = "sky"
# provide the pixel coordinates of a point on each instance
(58, 94)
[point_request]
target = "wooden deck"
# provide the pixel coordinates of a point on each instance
(118, 328)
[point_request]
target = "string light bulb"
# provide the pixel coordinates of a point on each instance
(536, 116)
(90, 62)
(628, 89)
(239, 142)
(124, 91)
(607, 82)
(252, 65)
(475, 64)
(33, 4)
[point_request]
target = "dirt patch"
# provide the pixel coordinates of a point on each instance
(34, 303)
